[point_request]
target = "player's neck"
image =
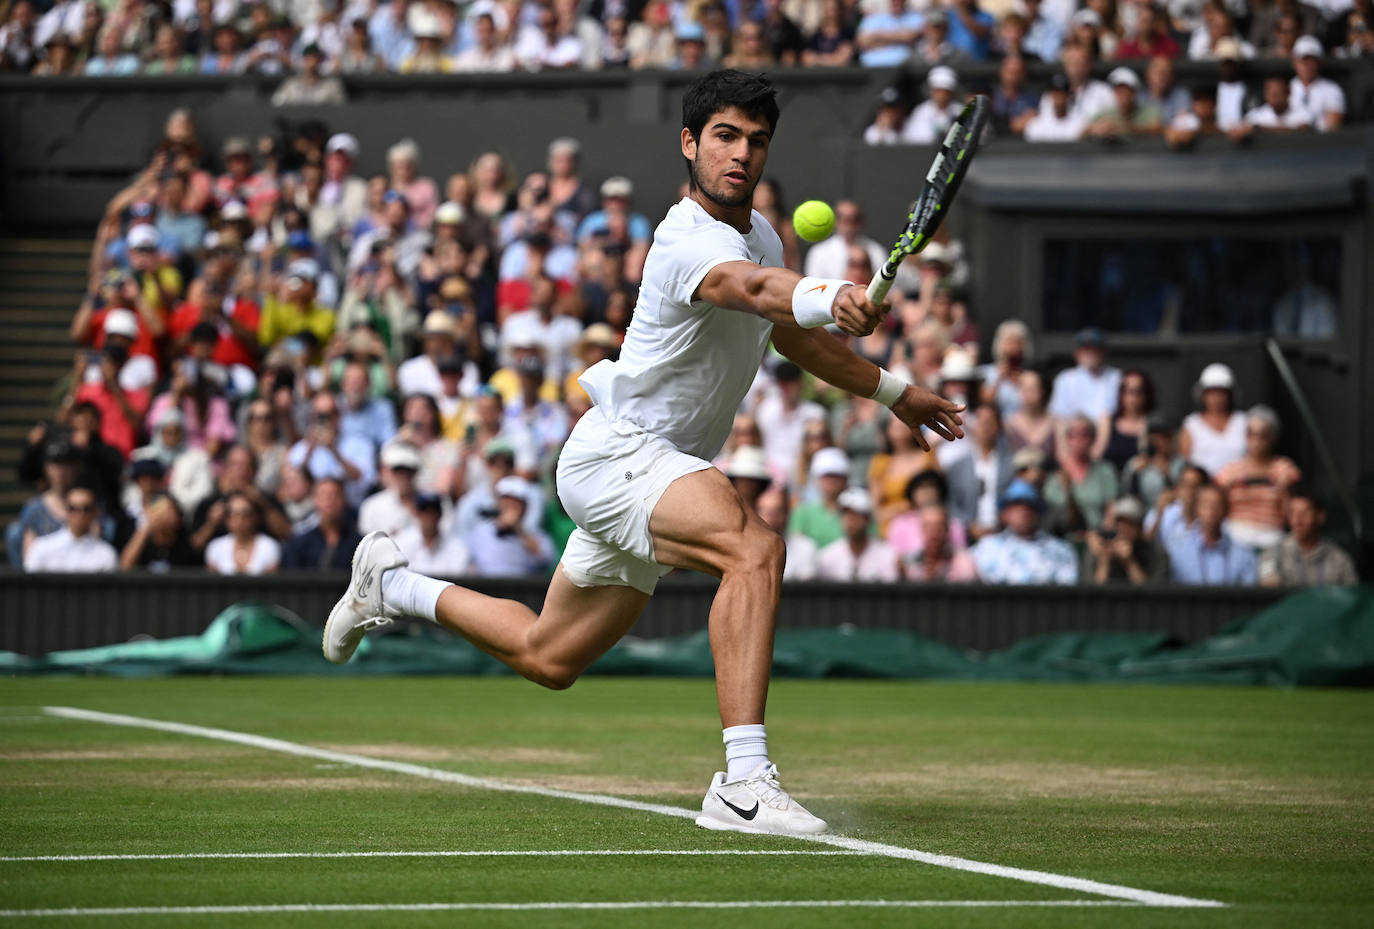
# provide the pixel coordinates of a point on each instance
(738, 218)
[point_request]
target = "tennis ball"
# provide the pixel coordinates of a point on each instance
(814, 220)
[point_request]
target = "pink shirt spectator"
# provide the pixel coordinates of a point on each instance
(905, 534)
(218, 423)
(957, 569)
(423, 196)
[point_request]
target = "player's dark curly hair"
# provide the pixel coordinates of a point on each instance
(752, 93)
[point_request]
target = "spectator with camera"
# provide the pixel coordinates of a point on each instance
(1123, 554)
(504, 544)
(326, 452)
(293, 314)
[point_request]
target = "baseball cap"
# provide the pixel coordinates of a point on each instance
(499, 446)
(1090, 337)
(147, 467)
(141, 209)
(121, 322)
(1028, 457)
(1218, 376)
(1158, 422)
(890, 96)
(205, 332)
(233, 211)
(437, 322)
(1124, 77)
(450, 364)
(428, 502)
(59, 448)
(830, 461)
(530, 364)
(1086, 17)
(141, 236)
(855, 499)
(300, 241)
(617, 187)
(748, 461)
(307, 269)
(236, 145)
(512, 486)
(342, 142)
(1129, 508)
(942, 77)
(1019, 491)
(449, 213)
(401, 455)
(395, 196)
(1307, 46)
(312, 49)
(1059, 81)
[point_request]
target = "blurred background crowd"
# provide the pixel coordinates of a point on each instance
(276, 354)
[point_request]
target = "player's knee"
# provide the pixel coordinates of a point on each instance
(761, 549)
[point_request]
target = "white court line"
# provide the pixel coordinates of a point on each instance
(553, 905)
(1044, 878)
(499, 853)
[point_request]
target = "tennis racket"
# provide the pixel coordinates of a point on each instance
(937, 193)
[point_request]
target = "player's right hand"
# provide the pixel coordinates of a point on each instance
(853, 312)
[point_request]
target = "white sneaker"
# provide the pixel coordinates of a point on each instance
(756, 804)
(361, 607)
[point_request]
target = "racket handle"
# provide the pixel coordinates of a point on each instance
(880, 285)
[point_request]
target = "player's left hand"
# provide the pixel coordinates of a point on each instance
(919, 407)
(853, 312)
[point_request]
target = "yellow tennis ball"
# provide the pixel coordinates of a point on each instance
(814, 220)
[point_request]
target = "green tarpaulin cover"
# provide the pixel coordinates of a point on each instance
(1318, 637)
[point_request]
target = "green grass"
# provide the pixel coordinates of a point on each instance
(1262, 799)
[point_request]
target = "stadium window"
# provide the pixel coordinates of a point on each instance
(1194, 285)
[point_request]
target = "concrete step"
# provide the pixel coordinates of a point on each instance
(50, 352)
(49, 247)
(55, 264)
(20, 301)
(11, 373)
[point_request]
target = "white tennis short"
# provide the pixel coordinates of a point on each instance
(610, 478)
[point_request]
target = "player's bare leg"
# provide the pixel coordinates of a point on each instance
(701, 523)
(576, 626)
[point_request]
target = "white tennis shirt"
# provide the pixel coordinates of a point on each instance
(686, 365)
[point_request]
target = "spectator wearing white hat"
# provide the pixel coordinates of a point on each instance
(1126, 116)
(885, 35)
(343, 195)
(820, 521)
(100, 381)
(393, 508)
(503, 544)
(932, 118)
(1232, 91)
(747, 469)
(293, 311)
(1309, 91)
(772, 507)
(439, 340)
(1214, 436)
(1087, 29)
(615, 213)
(426, 52)
(1275, 114)
(857, 555)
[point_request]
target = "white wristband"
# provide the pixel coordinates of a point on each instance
(890, 388)
(812, 299)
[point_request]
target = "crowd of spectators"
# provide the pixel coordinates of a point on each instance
(1135, 44)
(276, 356)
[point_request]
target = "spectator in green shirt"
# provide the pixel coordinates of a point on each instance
(819, 520)
(1127, 116)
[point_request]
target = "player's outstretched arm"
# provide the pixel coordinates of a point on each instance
(832, 361)
(785, 298)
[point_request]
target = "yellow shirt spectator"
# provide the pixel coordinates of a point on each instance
(293, 309)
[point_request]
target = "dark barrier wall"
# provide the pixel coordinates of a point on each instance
(42, 613)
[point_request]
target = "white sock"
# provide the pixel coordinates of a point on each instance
(746, 748)
(411, 593)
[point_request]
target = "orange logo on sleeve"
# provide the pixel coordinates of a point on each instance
(820, 287)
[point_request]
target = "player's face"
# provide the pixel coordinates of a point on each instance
(728, 159)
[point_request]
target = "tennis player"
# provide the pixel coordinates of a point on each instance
(636, 476)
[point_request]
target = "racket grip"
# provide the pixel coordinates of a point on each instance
(880, 285)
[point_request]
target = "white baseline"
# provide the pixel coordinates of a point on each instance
(1044, 878)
